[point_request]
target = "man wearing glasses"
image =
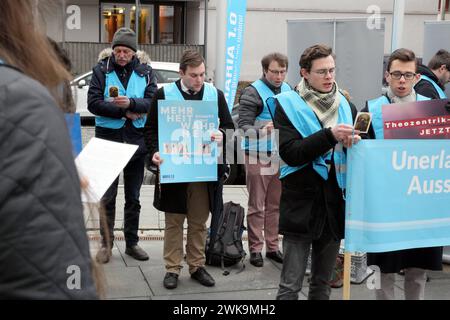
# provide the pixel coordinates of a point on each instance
(434, 77)
(315, 124)
(262, 176)
(401, 76)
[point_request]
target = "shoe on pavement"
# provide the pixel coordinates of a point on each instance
(256, 259)
(202, 276)
(170, 280)
(276, 256)
(137, 253)
(103, 255)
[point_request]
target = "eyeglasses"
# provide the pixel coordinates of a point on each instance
(396, 75)
(323, 72)
(277, 72)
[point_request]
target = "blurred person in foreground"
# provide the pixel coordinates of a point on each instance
(43, 243)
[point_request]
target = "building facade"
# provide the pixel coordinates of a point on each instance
(169, 23)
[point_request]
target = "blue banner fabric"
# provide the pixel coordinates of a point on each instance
(398, 195)
(236, 10)
(184, 137)
(73, 122)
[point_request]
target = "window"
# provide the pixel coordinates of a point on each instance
(447, 2)
(158, 21)
(170, 24)
(115, 16)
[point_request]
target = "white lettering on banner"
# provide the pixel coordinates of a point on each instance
(73, 22)
(229, 65)
(428, 186)
(178, 115)
(425, 162)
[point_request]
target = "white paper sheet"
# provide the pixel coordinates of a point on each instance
(100, 162)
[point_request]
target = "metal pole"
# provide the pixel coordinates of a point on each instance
(442, 10)
(397, 24)
(205, 34)
(136, 23)
(221, 33)
(63, 37)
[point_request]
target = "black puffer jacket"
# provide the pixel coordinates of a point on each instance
(43, 242)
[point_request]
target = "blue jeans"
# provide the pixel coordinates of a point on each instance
(133, 175)
(295, 259)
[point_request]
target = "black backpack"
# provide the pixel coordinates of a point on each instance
(225, 247)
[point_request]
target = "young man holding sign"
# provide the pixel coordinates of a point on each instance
(401, 75)
(191, 200)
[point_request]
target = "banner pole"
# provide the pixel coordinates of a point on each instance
(347, 270)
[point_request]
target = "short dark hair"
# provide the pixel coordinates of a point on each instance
(402, 54)
(274, 56)
(313, 53)
(191, 58)
(441, 57)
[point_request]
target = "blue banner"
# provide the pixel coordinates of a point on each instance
(236, 10)
(398, 195)
(184, 137)
(74, 126)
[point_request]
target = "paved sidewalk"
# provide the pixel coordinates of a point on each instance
(131, 279)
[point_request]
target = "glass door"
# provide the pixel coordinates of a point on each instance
(118, 15)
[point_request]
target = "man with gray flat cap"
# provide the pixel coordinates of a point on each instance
(119, 96)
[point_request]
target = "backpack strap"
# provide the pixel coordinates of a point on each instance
(240, 217)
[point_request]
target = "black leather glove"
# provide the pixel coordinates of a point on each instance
(149, 165)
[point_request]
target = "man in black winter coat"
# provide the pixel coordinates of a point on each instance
(119, 95)
(191, 201)
(315, 124)
(435, 76)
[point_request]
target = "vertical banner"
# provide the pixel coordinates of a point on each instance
(184, 137)
(236, 10)
(73, 122)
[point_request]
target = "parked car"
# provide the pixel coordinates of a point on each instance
(166, 72)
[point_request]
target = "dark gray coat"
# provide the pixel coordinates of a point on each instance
(42, 231)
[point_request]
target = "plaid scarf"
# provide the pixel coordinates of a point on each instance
(324, 105)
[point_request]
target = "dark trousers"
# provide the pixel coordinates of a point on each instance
(133, 175)
(295, 258)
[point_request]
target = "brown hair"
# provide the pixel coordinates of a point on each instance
(313, 53)
(274, 56)
(190, 58)
(402, 54)
(441, 57)
(24, 46)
